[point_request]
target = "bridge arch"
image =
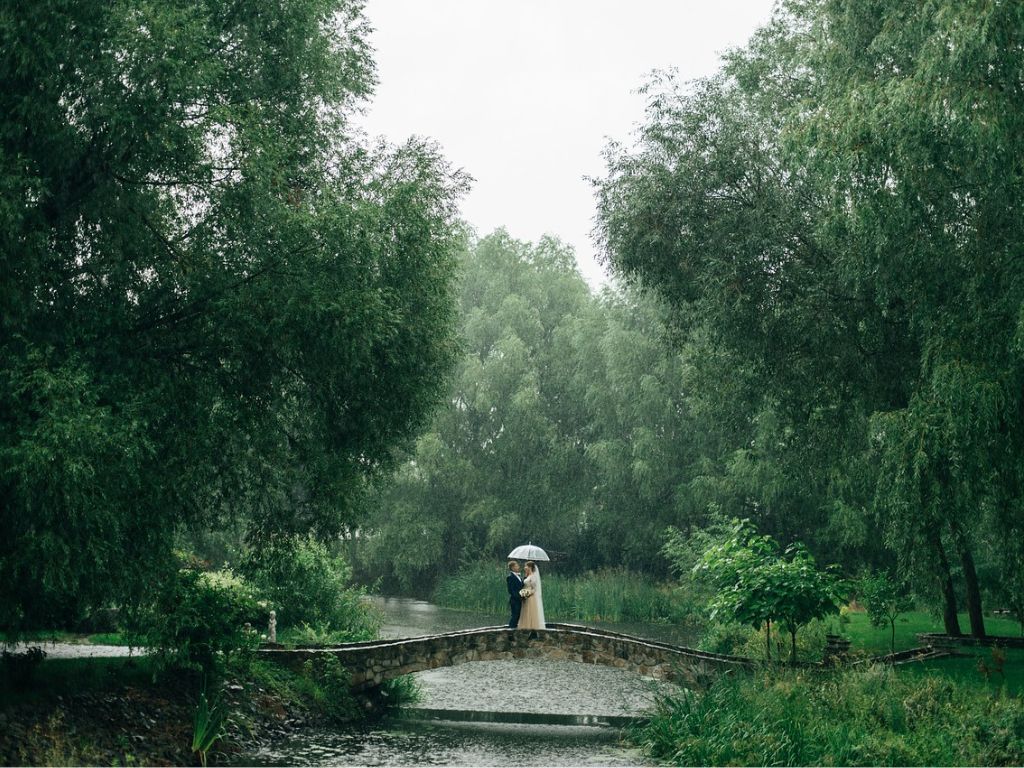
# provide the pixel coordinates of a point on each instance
(371, 663)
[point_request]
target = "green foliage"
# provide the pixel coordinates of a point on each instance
(19, 667)
(832, 220)
(326, 682)
(756, 585)
(564, 423)
(207, 726)
(400, 691)
(1009, 588)
(810, 642)
(309, 585)
(319, 635)
(607, 595)
(217, 303)
(321, 685)
(867, 717)
(479, 586)
(884, 600)
(725, 637)
(742, 640)
(198, 620)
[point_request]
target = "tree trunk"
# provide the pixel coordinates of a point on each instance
(892, 637)
(792, 653)
(949, 617)
(768, 640)
(974, 611)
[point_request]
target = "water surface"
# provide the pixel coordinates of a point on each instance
(401, 743)
(488, 690)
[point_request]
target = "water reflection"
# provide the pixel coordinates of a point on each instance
(399, 743)
(405, 617)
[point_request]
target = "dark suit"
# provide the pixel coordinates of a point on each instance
(515, 602)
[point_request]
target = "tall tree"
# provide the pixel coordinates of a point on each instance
(566, 423)
(500, 461)
(932, 202)
(213, 300)
(838, 209)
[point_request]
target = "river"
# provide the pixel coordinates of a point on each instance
(449, 726)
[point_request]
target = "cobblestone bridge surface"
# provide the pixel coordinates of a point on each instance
(371, 663)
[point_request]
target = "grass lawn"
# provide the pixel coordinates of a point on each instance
(865, 637)
(965, 669)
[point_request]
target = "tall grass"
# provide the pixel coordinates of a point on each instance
(608, 595)
(865, 717)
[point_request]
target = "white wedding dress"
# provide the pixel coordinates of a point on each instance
(532, 616)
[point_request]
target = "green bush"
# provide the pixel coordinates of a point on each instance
(743, 640)
(865, 717)
(307, 635)
(326, 682)
(309, 585)
(729, 638)
(198, 619)
(20, 667)
(402, 690)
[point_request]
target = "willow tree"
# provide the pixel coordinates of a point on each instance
(501, 461)
(839, 209)
(922, 114)
(214, 300)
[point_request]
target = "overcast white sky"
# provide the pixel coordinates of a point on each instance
(524, 94)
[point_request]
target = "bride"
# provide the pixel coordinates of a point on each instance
(532, 616)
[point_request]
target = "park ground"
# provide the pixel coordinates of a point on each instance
(118, 711)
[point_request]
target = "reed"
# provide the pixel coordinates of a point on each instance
(207, 726)
(612, 595)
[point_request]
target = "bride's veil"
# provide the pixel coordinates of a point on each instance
(539, 596)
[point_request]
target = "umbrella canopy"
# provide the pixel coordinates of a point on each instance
(528, 552)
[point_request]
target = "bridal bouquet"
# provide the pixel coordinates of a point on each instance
(525, 592)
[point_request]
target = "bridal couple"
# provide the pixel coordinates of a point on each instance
(524, 597)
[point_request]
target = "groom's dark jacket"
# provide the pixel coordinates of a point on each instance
(514, 585)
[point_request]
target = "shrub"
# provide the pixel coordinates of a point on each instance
(310, 585)
(308, 635)
(885, 599)
(743, 640)
(20, 667)
(856, 717)
(403, 690)
(810, 642)
(198, 619)
(758, 585)
(729, 638)
(328, 685)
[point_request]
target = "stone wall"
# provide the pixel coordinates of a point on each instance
(370, 664)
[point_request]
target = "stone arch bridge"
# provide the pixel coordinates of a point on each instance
(371, 663)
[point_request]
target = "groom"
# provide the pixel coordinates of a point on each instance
(514, 582)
